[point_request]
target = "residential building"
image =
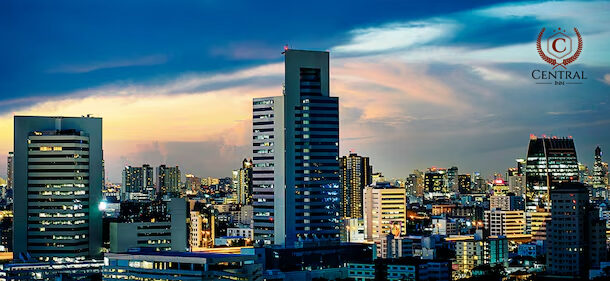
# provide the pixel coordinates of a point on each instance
(505, 223)
(168, 180)
(355, 174)
(384, 211)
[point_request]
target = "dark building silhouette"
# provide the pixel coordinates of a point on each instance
(576, 236)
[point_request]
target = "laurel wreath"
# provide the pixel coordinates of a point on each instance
(554, 61)
(577, 53)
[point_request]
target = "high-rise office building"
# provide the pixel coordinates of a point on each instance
(138, 183)
(58, 187)
(242, 182)
(576, 236)
(356, 173)
(295, 174)
(550, 161)
(168, 179)
(599, 170)
(384, 211)
(435, 180)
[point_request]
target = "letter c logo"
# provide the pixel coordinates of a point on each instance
(555, 45)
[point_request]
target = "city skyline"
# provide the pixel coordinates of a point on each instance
(467, 100)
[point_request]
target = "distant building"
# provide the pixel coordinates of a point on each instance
(391, 246)
(244, 232)
(355, 174)
(384, 211)
(506, 203)
(57, 183)
(352, 230)
(453, 179)
(444, 226)
(464, 184)
(162, 233)
(242, 183)
(192, 183)
(600, 170)
(6, 230)
(435, 180)
(168, 180)
(472, 253)
(576, 237)
(415, 184)
(138, 183)
(202, 229)
(10, 174)
(505, 223)
(550, 161)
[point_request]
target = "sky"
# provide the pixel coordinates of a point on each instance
(445, 83)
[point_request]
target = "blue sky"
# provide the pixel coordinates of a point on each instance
(420, 84)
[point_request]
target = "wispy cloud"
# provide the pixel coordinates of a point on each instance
(574, 112)
(395, 36)
(93, 66)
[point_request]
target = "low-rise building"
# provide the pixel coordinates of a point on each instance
(144, 264)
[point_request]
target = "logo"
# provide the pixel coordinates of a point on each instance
(559, 45)
(560, 48)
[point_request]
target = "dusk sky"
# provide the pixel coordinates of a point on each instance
(420, 85)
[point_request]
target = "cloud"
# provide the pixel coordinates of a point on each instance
(93, 66)
(569, 112)
(395, 36)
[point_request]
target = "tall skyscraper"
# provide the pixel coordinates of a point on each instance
(242, 181)
(296, 157)
(58, 187)
(599, 169)
(356, 173)
(576, 235)
(168, 179)
(550, 161)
